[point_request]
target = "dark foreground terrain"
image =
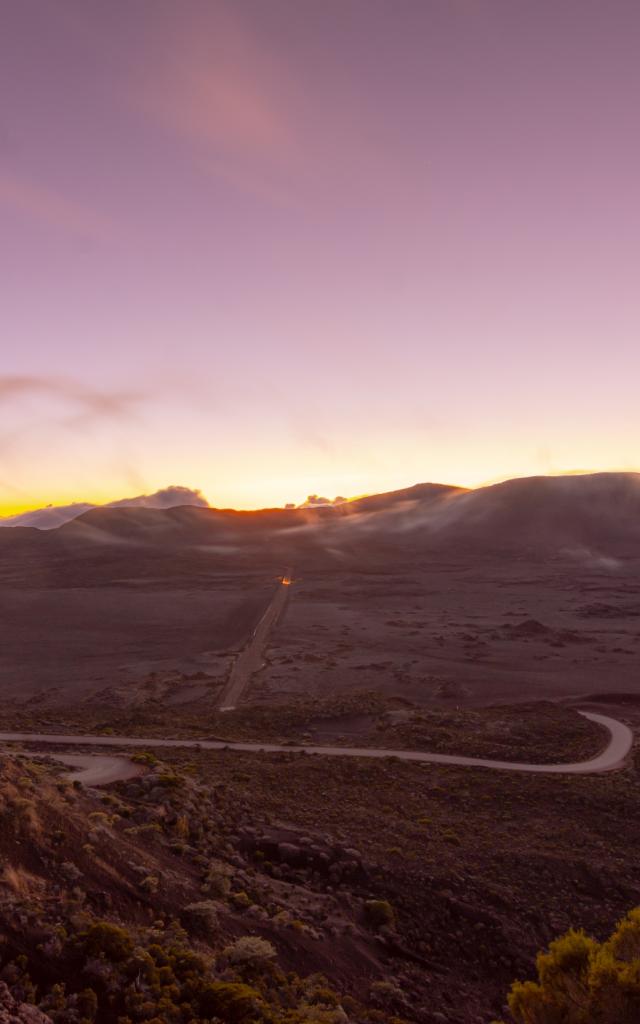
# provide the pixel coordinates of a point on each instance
(383, 891)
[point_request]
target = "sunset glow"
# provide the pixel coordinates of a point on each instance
(268, 253)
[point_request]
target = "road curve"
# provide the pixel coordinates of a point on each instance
(613, 755)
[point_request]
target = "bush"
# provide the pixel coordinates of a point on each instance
(87, 1004)
(170, 780)
(379, 913)
(231, 1002)
(109, 940)
(217, 880)
(250, 949)
(145, 757)
(307, 1014)
(240, 900)
(581, 981)
(202, 917)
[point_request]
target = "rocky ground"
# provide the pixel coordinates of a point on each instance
(417, 892)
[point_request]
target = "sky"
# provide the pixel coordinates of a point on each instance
(267, 248)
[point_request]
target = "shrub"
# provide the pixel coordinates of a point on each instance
(250, 949)
(234, 1003)
(145, 757)
(87, 1004)
(379, 913)
(170, 780)
(313, 1014)
(217, 880)
(182, 827)
(581, 981)
(109, 940)
(202, 916)
(240, 900)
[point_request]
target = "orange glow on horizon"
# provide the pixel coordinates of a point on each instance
(11, 508)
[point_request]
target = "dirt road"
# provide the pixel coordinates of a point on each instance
(250, 659)
(613, 755)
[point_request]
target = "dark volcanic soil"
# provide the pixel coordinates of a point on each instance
(460, 635)
(434, 632)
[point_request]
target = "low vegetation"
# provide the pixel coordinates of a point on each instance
(293, 889)
(538, 731)
(582, 981)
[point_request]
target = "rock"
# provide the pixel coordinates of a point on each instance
(353, 854)
(290, 854)
(12, 1012)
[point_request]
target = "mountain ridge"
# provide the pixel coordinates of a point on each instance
(591, 514)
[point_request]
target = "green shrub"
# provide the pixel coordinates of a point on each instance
(581, 981)
(110, 940)
(240, 900)
(170, 780)
(87, 1004)
(231, 1002)
(202, 917)
(217, 879)
(379, 913)
(145, 757)
(250, 949)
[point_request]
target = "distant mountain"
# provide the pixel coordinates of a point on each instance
(53, 516)
(597, 513)
(594, 519)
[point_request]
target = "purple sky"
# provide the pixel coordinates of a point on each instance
(269, 247)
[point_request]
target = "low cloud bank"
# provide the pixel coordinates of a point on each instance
(52, 516)
(168, 497)
(315, 501)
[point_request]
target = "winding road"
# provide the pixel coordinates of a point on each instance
(613, 756)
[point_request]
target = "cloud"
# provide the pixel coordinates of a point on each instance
(52, 516)
(44, 205)
(217, 86)
(42, 409)
(315, 501)
(86, 402)
(168, 497)
(253, 115)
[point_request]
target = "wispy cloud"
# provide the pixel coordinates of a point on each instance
(234, 94)
(44, 205)
(219, 88)
(48, 420)
(33, 407)
(84, 402)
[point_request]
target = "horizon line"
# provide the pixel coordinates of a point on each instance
(17, 511)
